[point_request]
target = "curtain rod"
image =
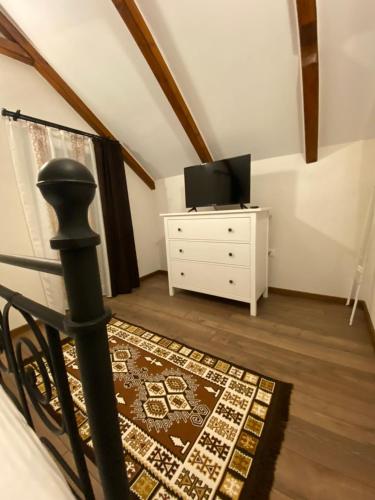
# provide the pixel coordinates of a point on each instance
(16, 115)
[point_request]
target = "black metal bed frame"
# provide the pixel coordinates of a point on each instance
(70, 188)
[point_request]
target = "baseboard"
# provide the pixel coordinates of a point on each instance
(154, 273)
(308, 295)
(315, 296)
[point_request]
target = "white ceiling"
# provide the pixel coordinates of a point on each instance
(236, 63)
(88, 44)
(347, 70)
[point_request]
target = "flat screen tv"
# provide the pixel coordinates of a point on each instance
(222, 182)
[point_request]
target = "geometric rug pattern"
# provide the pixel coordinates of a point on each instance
(193, 426)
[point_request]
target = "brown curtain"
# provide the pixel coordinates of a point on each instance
(122, 258)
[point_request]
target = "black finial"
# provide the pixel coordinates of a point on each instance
(69, 187)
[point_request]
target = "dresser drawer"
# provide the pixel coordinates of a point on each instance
(236, 254)
(227, 229)
(225, 281)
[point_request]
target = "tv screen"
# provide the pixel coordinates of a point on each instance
(222, 182)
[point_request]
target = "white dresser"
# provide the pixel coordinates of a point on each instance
(223, 253)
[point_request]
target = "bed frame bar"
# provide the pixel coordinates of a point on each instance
(42, 265)
(70, 188)
(44, 314)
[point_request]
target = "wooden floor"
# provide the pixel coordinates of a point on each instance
(329, 447)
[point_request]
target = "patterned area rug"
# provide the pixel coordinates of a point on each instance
(193, 426)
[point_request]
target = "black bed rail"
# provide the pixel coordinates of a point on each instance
(44, 314)
(35, 263)
(70, 188)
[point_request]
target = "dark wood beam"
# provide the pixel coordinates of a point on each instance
(13, 50)
(307, 24)
(137, 26)
(53, 78)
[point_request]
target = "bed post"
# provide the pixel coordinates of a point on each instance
(70, 188)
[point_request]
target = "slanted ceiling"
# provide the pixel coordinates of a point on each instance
(236, 64)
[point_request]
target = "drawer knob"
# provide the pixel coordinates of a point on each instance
(179, 229)
(230, 254)
(182, 274)
(231, 282)
(180, 250)
(230, 230)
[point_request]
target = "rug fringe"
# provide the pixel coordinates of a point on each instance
(265, 462)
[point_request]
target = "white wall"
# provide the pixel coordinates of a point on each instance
(145, 223)
(317, 212)
(369, 280)
(21, 87)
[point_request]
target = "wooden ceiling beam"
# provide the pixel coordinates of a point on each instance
(139, 30)
(53, 78)
(13, 50)
(308, 34)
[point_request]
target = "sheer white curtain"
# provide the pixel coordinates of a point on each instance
(66, 145)
(31, 146)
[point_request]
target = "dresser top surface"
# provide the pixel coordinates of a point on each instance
(240, 211)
